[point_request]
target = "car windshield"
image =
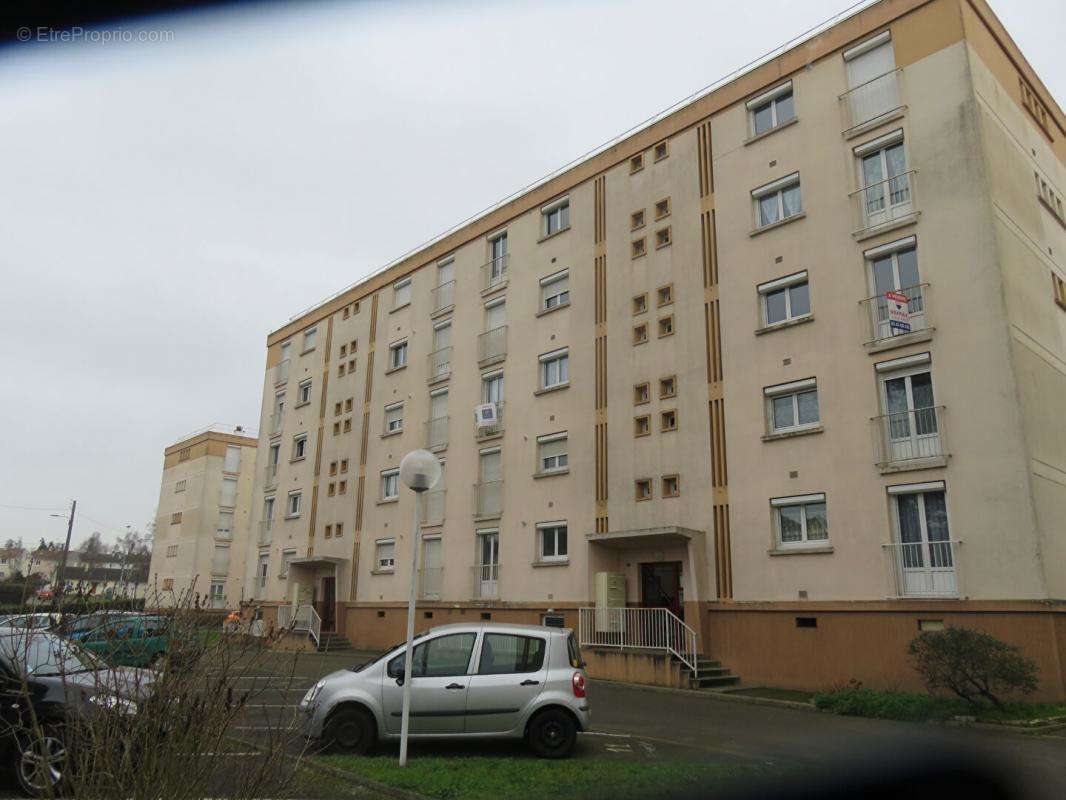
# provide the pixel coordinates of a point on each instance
(386, 652)
(43, 655)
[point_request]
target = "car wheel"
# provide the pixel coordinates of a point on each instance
(552, 734)
(41, 762)
(349, 730)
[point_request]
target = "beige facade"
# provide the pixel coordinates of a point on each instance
(738, 429)
(203, 518)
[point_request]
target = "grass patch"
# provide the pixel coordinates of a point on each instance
(768, 693)
(916, 707)
(519, 777)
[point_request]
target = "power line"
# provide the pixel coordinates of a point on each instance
(33, 508)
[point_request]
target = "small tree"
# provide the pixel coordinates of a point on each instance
(971, 664)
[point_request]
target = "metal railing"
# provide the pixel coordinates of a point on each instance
(266, 531)
(430, 580)
(885, 201)
(488, 499)
(909, 435)
(434, 510)
(281, 372)
(486, 579)
(494, 272)
(443, 296)
(301, 618)
(924, 569)
(639, 628)
(440, 364)
(492, 345)
(878, 324)
(437, 433)
(277, 421)
(484, 432)
(878, 97)
(270, 476)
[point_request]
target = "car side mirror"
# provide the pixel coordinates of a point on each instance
(399, 676)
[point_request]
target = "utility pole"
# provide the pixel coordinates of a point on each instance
(63, 558)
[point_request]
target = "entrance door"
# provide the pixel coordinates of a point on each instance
(660, 586)
(328, 605)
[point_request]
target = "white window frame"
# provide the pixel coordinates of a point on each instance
(378, 565)
(554, 357)
(395, 349)
(290, 512)
(800, 501)
(304, 388)
(401, 293)
(554, 526)
(180, 486)
(777, 188)
(298, 452)
(389, 426)
(309, 340)
(561, 462)
(770, 98)
(555, 209)
(286, 558)
(786, 283)
(791, 389)
(548, 294)
(390, 477)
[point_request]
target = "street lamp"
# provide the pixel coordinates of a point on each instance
(419, 471)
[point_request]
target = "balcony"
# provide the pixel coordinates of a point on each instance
(277, 422)
(440, 365)
(270, 477)
(912, 439)
(443, 297)
(881, 332)
(885, 205)
(486, 581)
(489, 432)
(494, 273)
(281, 372)
(872, 103)
(434, 510)
(492, 346)
(266, 531)
(437, 433)
(430, 581)
(924, 569)
(488, 500)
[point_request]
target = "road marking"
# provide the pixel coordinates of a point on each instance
(613, 735)
(619, 748)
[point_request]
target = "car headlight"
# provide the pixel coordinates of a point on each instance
(312, 693)
(114, 703)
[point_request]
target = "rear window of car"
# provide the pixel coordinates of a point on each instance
(574, 651)
(504, 653)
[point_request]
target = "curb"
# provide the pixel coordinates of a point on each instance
(712, 695)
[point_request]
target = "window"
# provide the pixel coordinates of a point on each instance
(800, 521)
(220, 560)
(347, 312)
(667, 387)
(327, 532)
(183, 454)
(1034, 105)
(925, 554)
(310, 335)
(636, 220)
(342, 487)
(642, 425)
(636, 163)
(348, 425)
(886, 190)
(331, 489)
(353, 344)
(336, 429)
(442, 657)
(340, 370)
(299, 447)
(390, 484)
(332, 467)
(551, 453)
(1050, 200)
(261, 569)
(641, 394)
(661, 151)
(286, 558)
(664, 295)
(792, 406)
(555, 369)
(228, 496)
(671, 486)
(552, 545)
(338, 529)
(771, 110)
(351, 366)
(643, 489)
(662, 208)
(401, 293)
(663, 237)
(910, 427)
(505, 654)
(1058, 287)
(303, 394)
(874, 91)
(640, 333)
(785, 299)
(175, 518)
(232, 462)
(555, 290)
(394, 418)
(337, 409)
(556, 216)
(172, 551)
(344, 350)
(638, 247)
(666, 326)
(385, 555)
(293, 507)
(398, 355)
(777, 201)
(496, 269)
(179, 487)
(344, 465)
(348, 404)
(640, 303)
(894, 268)
(668, 420)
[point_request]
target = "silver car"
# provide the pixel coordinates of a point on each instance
(484, 680)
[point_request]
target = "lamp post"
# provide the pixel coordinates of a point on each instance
(419, 471)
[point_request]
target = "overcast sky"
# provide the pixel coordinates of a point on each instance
(166, 205)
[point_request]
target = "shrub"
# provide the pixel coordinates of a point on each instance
(972, 665)
(855, 701)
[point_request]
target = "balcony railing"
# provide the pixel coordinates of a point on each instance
(879, 325)
(270, 476)
(908, 436)
(494, 272)
(494, 430)
(443, 296)
(281, 372)
(492, 345)
(277, 422)
(924, 569)
(486, 579)
(440, 364)
(488, 499)
(266, 531)
(430, 581)
(437, 433)
(434, 511)
(885, 202)
(878, 97)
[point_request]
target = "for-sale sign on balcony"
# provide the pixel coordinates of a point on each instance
(899, 315)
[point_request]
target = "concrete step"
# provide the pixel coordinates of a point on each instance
(333, 642)
(715, 681)
(709, 672)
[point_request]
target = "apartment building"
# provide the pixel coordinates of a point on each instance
(789, 362)
(203, 518)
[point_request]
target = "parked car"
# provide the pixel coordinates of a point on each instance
(468, 682)
(40, 621)
(134, 640)
(87, 622)
(53, 681)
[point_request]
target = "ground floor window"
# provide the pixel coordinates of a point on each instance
(800, 520)
(553, 544)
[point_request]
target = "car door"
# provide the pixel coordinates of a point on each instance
(511, 673)
(440, 672)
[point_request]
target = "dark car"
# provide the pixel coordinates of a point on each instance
(48, 684)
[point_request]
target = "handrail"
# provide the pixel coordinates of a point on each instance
(301, 618)
(639, 628)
